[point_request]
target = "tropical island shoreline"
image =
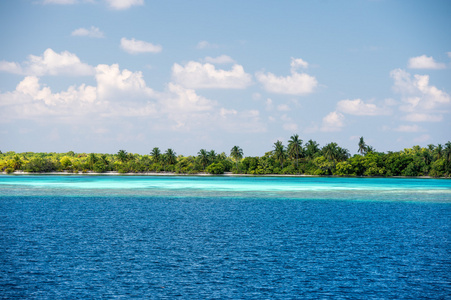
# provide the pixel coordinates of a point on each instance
(203, 174)
(294, 160)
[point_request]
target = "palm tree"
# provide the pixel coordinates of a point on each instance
(439, 151)
(122, 155)
(212, 155)
(342, 154)
(362, 146)
(203, 157)
(369, 149)
(171, 157)
(279, 152)
(295, 147)
(330, 151)
(447, 152)
(156, 154)
(237, 154)
(311, 148)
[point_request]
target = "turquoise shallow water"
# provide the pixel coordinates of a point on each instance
(104, 237)
(383, 189)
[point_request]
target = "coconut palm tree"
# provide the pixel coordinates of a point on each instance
(439, 151)
(237, 154)
(295, 147)
(212, 156)
(362, 146)
(171, 156)
(122, 155)
(279, 152)
(156, 154)
(343, 154)
(311, 148)
(331, 151)
(203, 157)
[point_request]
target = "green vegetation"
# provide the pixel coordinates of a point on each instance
(309, 159)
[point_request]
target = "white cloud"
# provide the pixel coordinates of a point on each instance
(296, 84)
(182, 100)
(360, 108)
(334, 121)
(223, 59)
(197, 75)
(31, 100)
(50, 63)
(408, 128)
(93, 32)
(298, 63)
(10, 67)
(112, 84)
(425, 62)
(206, 45)
(123, 4)
(418, 97)
(135, 46)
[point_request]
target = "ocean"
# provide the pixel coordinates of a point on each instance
(206, 237)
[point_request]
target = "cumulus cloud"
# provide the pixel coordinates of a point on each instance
(50, 63)
(30, 99)
(418, 96)
(10, 67)
(118, 93)
(93, 32)
(114, 84)
(123, 4)
(182, 100)
(197, 75)
(223, 59)
(135, 46)
(296, 84)
(334, 121)
(360, 108)
(297, 63)
(425, 62)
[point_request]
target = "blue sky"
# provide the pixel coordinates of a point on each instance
(104, 75)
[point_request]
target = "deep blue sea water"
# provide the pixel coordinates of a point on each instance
(92, 237)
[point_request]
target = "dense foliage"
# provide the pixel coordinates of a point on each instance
(296, 158)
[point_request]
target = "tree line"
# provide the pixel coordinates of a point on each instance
(295, 158)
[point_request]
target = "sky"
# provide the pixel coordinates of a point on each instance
(104, 75)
